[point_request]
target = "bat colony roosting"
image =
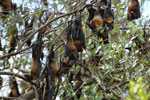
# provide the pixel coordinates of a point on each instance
(100, 21)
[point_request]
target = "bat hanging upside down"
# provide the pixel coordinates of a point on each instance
(133, 10)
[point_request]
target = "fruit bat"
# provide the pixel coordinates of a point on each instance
(14, 88)
(52, 65)
(103, 16)
(36, 63)
(133, 10)
(68, 63)
(6, 6)
(108, 17)
(79, 82)
(12, 43)
(96, 24)
(48, 90)
(95, 19)
(70, 47)
(78, 36)
(96, 15)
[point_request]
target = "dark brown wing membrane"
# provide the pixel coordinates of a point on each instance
(70, 47)
(48, 92)
(108, 17)
(78, 36)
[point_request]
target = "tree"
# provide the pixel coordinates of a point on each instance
(105, 69)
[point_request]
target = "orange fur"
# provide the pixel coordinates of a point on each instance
(71, 47)
(34, 68)
(14, 93)
(78, 44)
(66, 62)
(109, 20)
(14, 89)
(97, 21)
(54, 67)
(6, 5)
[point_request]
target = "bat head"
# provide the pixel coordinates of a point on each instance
(77, 21)
(102, 4)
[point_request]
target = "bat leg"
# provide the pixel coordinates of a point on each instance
(99, 34)
(49, 71)
(71, 62)
(66, 71)
(133, 15)
(66, 51)
(105, 37)
(128, 17)
(77, 54)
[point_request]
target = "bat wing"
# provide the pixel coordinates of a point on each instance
(108, 12)
(50, 91)
(65, 51)
(105, 37)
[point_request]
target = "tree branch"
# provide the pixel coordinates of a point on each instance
(17, 75)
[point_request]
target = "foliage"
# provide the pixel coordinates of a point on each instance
(138, 91)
